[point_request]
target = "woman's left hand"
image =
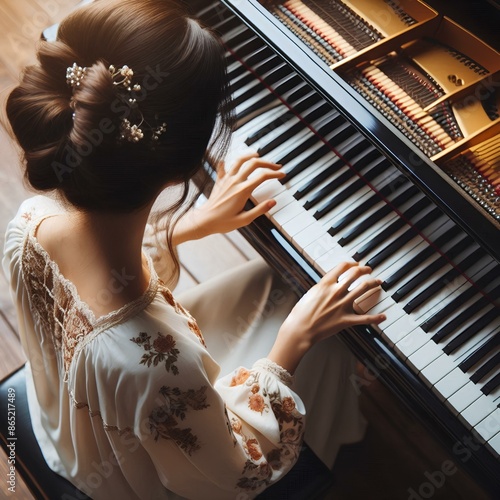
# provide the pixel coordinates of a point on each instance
(224, 210)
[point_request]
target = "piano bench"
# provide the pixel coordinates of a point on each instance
(29, 462)
(308, 479)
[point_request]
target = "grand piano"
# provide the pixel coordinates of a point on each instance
(385, 116)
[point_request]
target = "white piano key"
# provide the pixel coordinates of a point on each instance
(287, 213)
(464, 397)
(424, 356)
(437, 370)
(401, 327)
(477, 411)
(494, 444)
(331, 259)
(297, 224)
(451, 383)
(310, 235)
(319, 247)
(489, 426)
(282, 199)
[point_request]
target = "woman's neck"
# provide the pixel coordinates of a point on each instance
(101, 254)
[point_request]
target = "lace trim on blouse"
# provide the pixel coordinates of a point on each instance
(57, 307)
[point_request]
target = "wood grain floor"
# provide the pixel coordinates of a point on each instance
(396, 453)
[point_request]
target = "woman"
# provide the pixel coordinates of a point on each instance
(125, 398)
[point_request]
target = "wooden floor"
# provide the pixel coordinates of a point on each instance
(396, 454)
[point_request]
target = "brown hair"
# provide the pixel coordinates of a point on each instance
(70, 137)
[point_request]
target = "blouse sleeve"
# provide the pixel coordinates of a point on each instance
(30, 211)
(215, 439)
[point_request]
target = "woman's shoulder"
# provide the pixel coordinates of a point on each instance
(29, 214)
(37, 207)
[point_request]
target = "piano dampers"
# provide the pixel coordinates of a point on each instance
(477, 171)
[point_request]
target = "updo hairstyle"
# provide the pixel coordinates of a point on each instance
(70, 136)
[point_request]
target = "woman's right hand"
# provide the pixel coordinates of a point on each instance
(326, 309)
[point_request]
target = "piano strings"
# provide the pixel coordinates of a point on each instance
(477, 171)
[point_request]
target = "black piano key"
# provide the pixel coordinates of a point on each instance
(265, 63)
(459, 320)
(284, 84)
(312, 140)
(455, 304)
(316, 113)
(472, 330)
(399, 242)
(481, 372)
(280, 88)
(427, 252)
(479, 354)
(332, 186)
(366, 205)
(434, 266)
(306, 100)
(491, 385)
(350, 190)
(326, 172)
(221, 20)
(441, 282)
(369, 222)
(243, 46)
(400, 222)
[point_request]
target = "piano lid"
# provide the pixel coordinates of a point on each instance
(400, 149)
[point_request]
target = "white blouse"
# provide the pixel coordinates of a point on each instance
(130, 405)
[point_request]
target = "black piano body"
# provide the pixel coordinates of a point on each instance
(425, 171)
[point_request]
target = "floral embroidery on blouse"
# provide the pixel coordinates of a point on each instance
(53, 305)
(161, 350)
(257, 472)
(27, 216)
(164, 419)
(193, 326)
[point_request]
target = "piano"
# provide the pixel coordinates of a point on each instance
(385, 117)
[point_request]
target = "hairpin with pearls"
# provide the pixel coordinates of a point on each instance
(122, 77)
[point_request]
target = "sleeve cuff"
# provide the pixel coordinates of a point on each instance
(275, 369)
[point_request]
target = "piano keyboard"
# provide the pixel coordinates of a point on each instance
(342, 200)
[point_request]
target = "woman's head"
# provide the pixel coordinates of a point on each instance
(70, 135)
